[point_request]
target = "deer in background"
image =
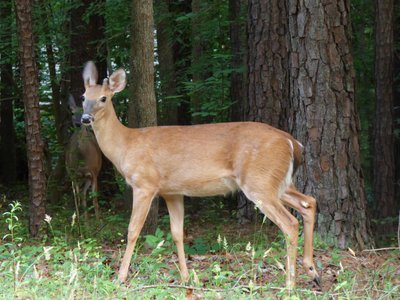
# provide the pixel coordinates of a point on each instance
(83, 160)
(200, 160)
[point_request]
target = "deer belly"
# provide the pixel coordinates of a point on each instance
(212, 187)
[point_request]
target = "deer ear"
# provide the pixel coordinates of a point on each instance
(72, 103)
(90, 74)
(117, 81)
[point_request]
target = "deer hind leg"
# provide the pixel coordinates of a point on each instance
(273, 208)
(176, 213)
(140, 208)
(306, 206)
(77, 197)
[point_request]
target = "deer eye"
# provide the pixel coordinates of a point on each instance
(103, 99)
(82, 98)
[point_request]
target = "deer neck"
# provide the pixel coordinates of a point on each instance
(111, 135)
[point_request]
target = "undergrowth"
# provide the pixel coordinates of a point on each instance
(67, 264)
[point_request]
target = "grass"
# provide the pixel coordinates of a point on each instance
(226, 261)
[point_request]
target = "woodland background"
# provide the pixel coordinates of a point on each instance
(328, 72)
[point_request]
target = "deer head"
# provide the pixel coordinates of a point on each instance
(98, 97)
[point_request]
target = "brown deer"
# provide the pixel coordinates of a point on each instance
(83, 160)
(200, 160)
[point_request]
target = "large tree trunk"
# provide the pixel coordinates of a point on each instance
(142, 107)
(168, 112)
(323, 117)
(384, 163)
(268, 85)
(30, 85)
(8, 160)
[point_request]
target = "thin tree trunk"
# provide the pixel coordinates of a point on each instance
(396, 89)
(384, 163)
(168, 107)
(30, 85)
(8, 159)
(143, 108)
(182, 51)
(237, 88)
(324, 118)
(197, 52)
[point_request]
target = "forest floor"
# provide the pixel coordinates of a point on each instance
(226, 260)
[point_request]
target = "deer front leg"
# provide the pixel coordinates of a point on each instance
(176, 214)
(84, 202)
(140, 208)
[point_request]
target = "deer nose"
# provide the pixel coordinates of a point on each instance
(86, 119)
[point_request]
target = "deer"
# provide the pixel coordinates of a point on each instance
(83, 160)
(200, 160)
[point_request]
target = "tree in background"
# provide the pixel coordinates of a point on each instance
(168, 108)
(8, 160)
(238, 81)
(323, 117)
(396, 88)
(30, 87)
(142, 105)
(86, 43)
(384, 162)
(198, 73)
(180, 34)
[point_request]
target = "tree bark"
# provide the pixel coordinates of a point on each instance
(142, 107)
(34, 142)
(268, 60)
(384, 162)
(323, 117)
(8, 158)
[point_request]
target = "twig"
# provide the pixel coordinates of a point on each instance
(175, 286)
(382, 249)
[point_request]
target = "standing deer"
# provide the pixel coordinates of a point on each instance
(83, 160)
(200, 160)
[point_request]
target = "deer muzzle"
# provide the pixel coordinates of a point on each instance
(86, 119)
